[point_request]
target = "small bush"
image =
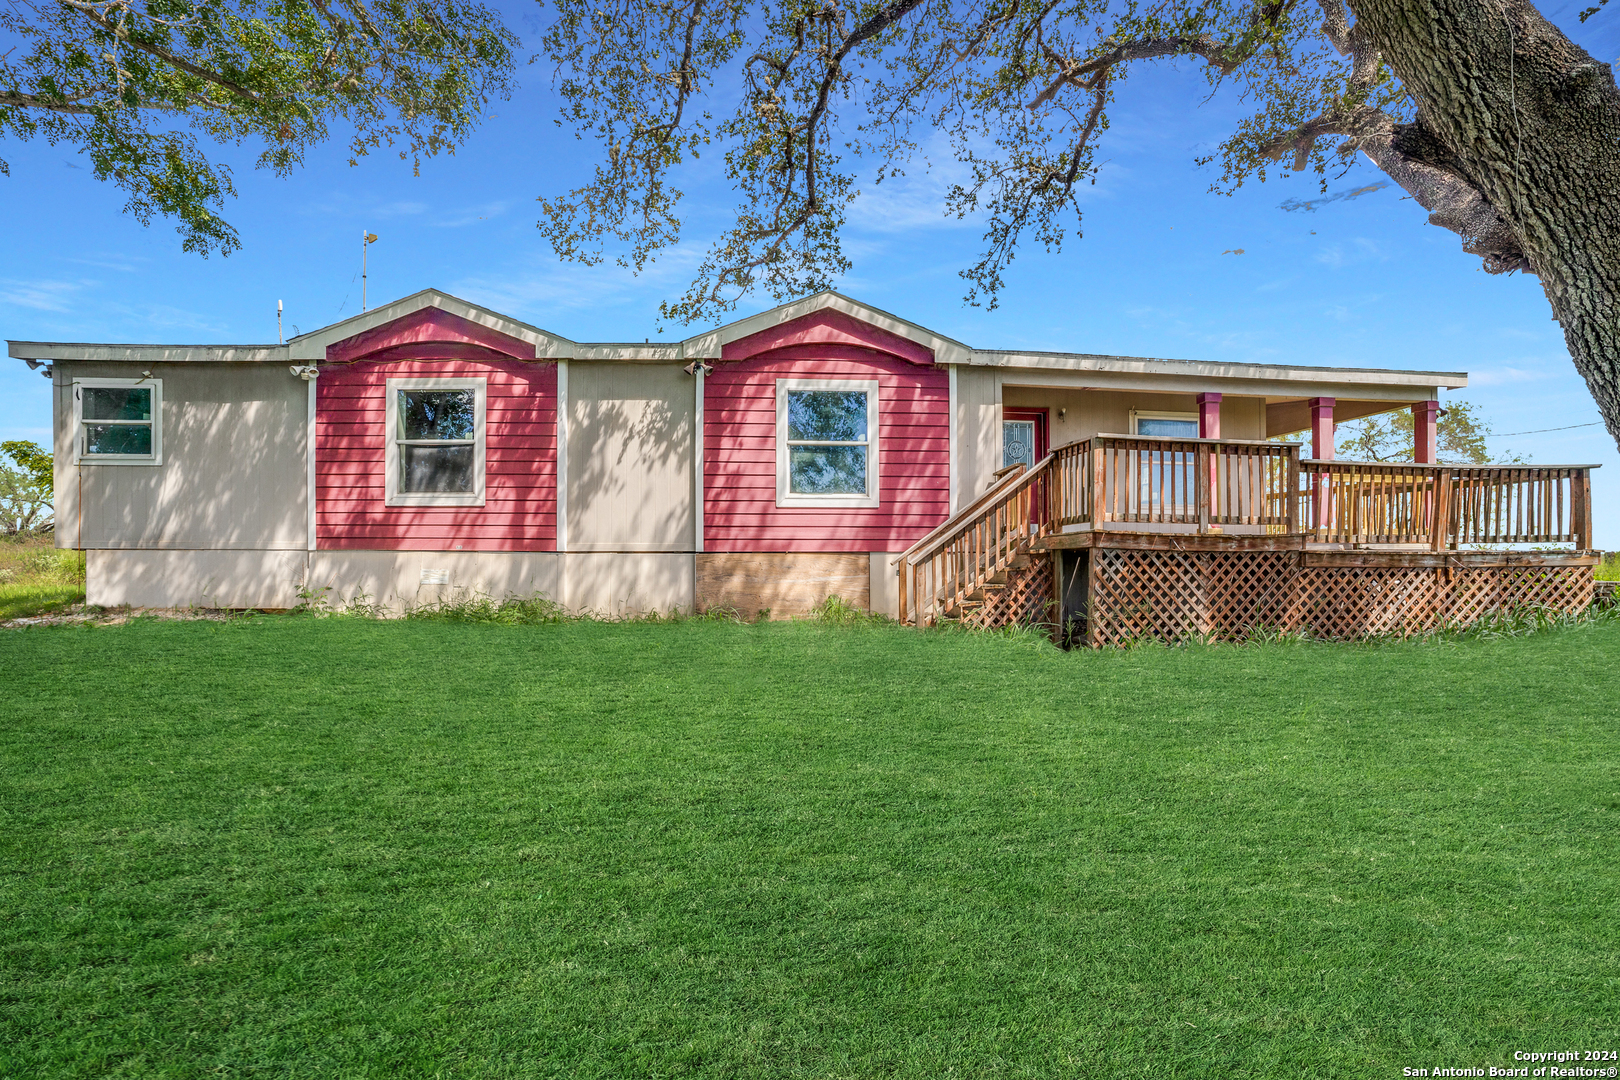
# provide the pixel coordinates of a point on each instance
(512, 611)
(840, 612)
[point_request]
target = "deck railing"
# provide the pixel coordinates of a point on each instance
(1120, 482)
(1447, 506)
(1156, 481)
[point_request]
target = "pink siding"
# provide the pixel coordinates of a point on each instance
(739, 452)
(520, 487)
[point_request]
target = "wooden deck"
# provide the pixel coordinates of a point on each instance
(1118, 538)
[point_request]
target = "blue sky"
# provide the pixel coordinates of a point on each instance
(1361, 282)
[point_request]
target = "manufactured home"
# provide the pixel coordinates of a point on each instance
(433, 448)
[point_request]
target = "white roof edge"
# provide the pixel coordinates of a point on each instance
(610, 350)
(147, 354)
(1214, 369)
(312, 346)
(709, 344)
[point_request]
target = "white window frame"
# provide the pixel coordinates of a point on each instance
(81, 457)
(1144, 414)
(785, 496)
(475, 497)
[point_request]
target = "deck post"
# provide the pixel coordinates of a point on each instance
(1322, 450)
(1098, 486)
(1291, 522)
(1204, 468)
(904, 616)
(1209, 427)
(1441, 524)
(1581, 510)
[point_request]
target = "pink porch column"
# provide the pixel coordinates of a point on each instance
(1322, 450)
(1209, 416)
(1426, 432)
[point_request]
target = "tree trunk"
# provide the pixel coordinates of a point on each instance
(1529, 119)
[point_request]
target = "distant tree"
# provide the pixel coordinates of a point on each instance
(1461, 435)
(133, 84)
(25, 487)
(1482, 110)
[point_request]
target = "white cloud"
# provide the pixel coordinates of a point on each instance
(402, 208)
(1502, 376)
(111, 260)
(41, 295)
(473, 215)
(1359, 250)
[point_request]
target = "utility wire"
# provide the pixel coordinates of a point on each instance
(1542, 431)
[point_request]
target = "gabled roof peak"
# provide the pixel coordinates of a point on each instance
(712, 344)
(313, 345)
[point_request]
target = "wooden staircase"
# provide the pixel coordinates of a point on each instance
(978, 568)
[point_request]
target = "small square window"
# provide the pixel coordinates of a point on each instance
(826, 442)
(118, 421)
(436, 442)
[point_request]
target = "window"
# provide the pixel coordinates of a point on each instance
(826, 442)
(1167, 480)
(1165, 424)
(119, 421)
(1018, 443)
(436, 442)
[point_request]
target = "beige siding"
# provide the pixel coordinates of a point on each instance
(978, 432)
(393, 579)
(628, 584)
(212, 579)
(232, 477)
(630, 457)
(884, 598)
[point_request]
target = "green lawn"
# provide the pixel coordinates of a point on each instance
(36, 579)
(281, 847)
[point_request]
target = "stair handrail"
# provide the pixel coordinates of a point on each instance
(964, 517)
(921, 560)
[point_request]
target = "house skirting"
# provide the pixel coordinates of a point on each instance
(608, 583)
(1137, 592)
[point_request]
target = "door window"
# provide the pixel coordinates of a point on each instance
(1018, 443)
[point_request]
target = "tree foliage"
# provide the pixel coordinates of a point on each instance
(1462, 432)
(1021, 88)
(25, 487)
(138, 85)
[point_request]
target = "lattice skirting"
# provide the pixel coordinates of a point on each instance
(1172, 595)
(1025, 600)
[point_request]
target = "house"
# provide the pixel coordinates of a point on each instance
(433, 447)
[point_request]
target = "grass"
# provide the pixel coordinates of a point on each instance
(1609, 568)
(36, 579)
(288, 846)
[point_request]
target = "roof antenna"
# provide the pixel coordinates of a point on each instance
(365, 246)
(278, 323)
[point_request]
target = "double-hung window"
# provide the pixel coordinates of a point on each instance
(436, 442)
(826, 442)
(118, 421)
